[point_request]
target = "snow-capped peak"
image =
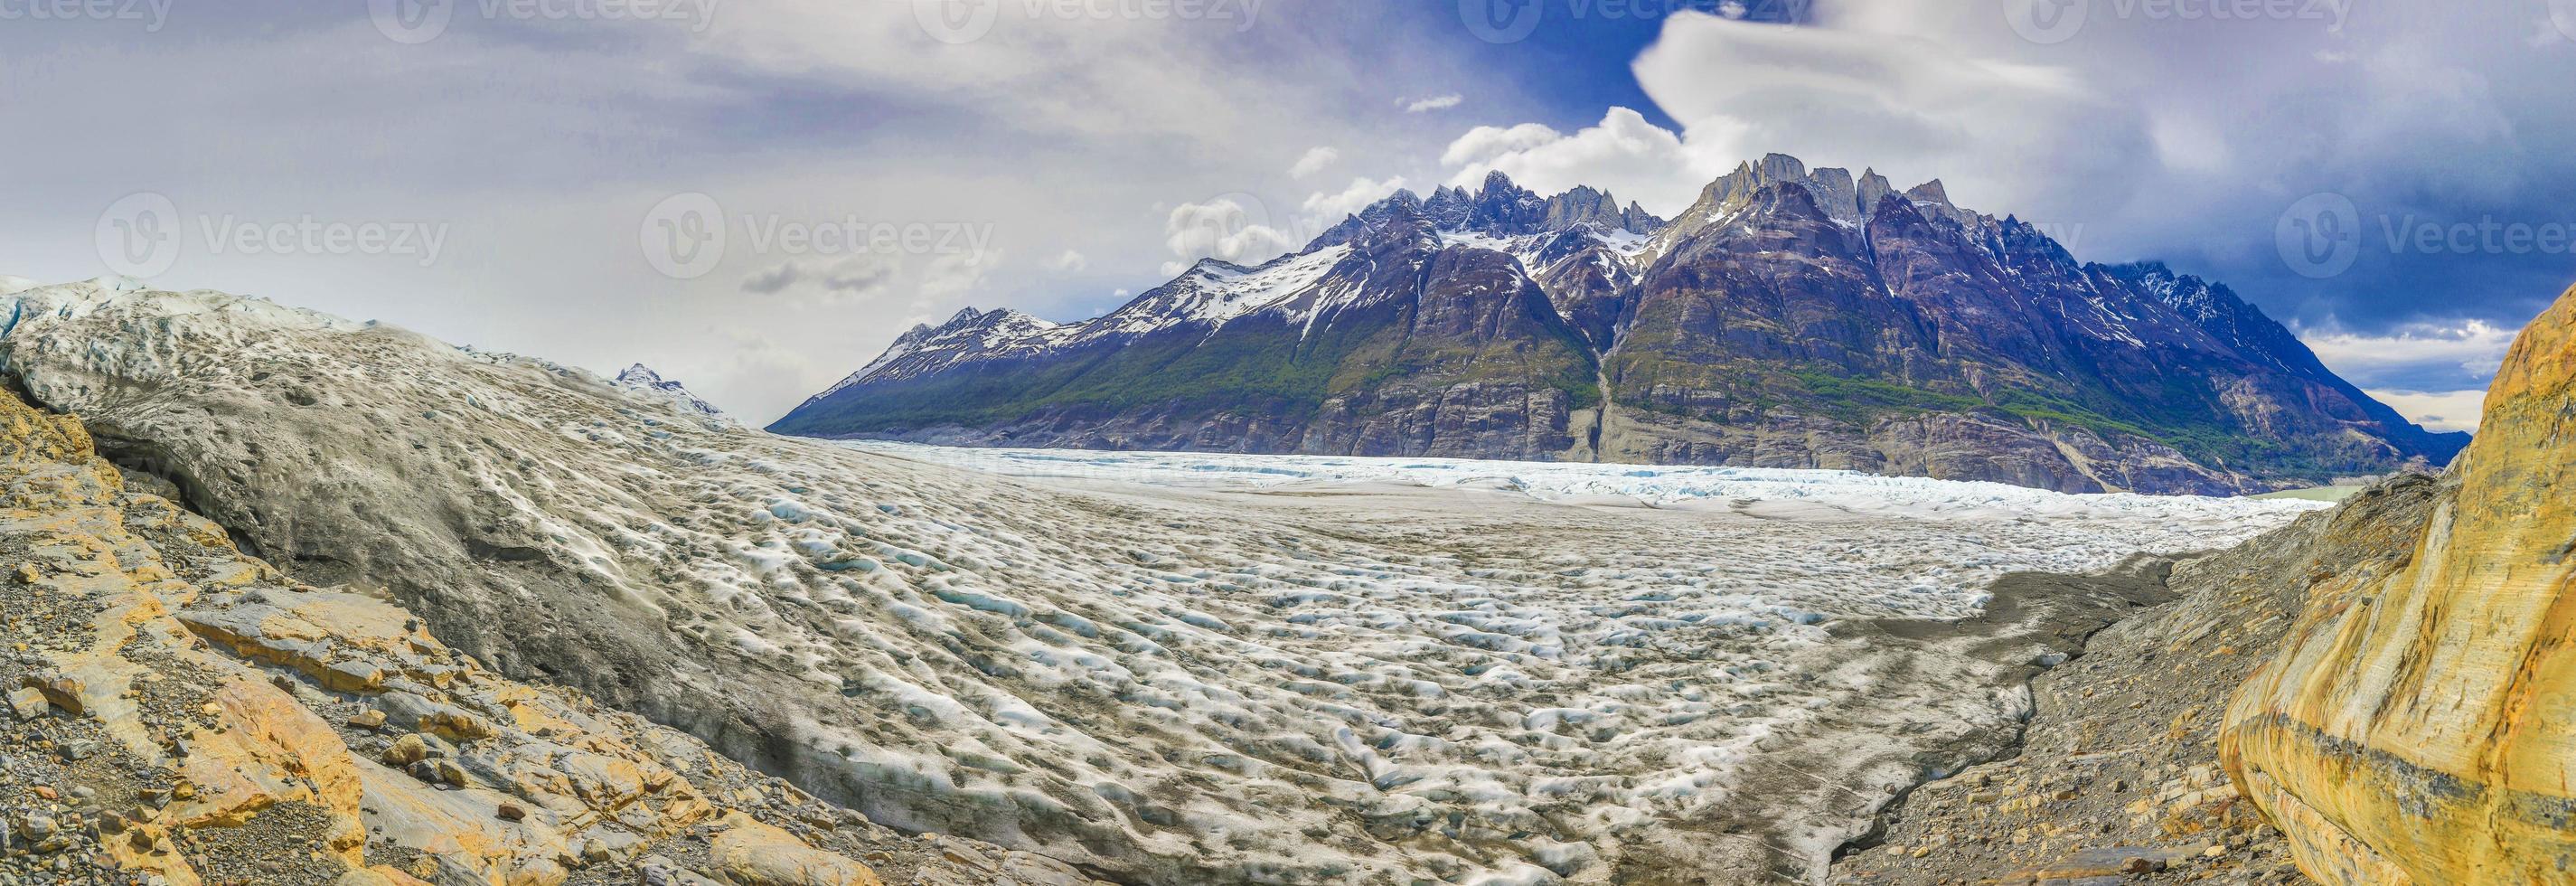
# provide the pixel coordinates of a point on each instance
(643, 380)
(1216, 291)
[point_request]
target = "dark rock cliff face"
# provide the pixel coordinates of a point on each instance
(1788, 319)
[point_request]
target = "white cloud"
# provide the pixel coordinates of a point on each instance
(1625, 155)
(2451, 411)
(1431, 103)
(2474, 347)
(1225, 228)
(1488, 142)
(1910, 93)
(2131, 127)
(774, 280)
(848, 279)
(1315, 160)
(1918, 93)
(1033, 69)
(1071, 262)
(1324, 209)
(948, 278)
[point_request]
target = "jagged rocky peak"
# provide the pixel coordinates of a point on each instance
(1736, 190)
(1007, 319)
(1502, 199)
(1448, 207)
(1499, 207)
(1399, 225)
(1934, 199)
(1580, 205)
(1600, 209)
(1836, 194)
(2186, 294)
(1845, 199)
(1873, 189)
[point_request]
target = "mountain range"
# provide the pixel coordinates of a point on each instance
(1788, 318)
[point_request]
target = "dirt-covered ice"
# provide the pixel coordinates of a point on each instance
(1170, 669)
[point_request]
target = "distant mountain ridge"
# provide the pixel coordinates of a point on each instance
(643, 380)
(1788, 318)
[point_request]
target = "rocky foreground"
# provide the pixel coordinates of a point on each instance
(2380, 694)
(179, 713)
(2119, 777)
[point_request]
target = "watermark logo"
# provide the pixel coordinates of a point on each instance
(957, 21)
(138, 236)
(143, 235)
(2047, 22)
(1501, 21)
(1512, 21)
(2320, 236)
(420, 21)
(151, 13)
(684, 236)
(2563, 14)
(966, 21)
(411, 22)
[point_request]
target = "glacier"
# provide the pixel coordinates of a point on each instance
(1163, 668)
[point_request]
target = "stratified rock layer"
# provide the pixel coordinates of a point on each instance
(2420, 727)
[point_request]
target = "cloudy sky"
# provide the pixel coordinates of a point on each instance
(2394, 178)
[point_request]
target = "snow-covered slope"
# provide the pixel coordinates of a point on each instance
(643, 380)
(1336, 681)
(1298, 287)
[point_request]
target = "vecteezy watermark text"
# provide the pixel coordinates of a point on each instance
(144, 234)
(1512, 21)
(151, 14)
(687, 235)
(2057, 21)
(2323, 235)
(966, 21)
(306, 235)
(420, 21)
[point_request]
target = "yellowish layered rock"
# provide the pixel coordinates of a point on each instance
(2421, 727)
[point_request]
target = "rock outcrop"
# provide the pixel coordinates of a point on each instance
(2379, 695)
(2418, 726)
(2118, 775)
